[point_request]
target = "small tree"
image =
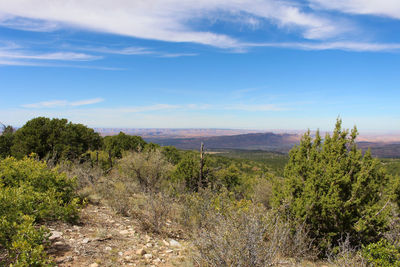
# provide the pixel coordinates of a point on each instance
(115, 145)
(334, 189)
(6, 140)
(54, 138)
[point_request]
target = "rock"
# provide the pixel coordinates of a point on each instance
(128, 258)
(174, 243)
(148, 256)
(55, 235)
(140, 252)
(149, 245)
(124, 232)
(169, 251)
(107, 248)
(120, 253)
(166, 243)
(94, 265)
(85, 241)
(59, 243)
(130, 253)
(157, 260)
(148, 238)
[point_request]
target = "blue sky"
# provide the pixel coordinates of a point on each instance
(256, 64)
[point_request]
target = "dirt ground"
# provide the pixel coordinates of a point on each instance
(103, 238)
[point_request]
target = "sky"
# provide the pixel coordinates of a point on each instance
(251, 64)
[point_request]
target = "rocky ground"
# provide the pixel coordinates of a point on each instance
(103, 238)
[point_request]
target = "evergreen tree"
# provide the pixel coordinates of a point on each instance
(55, 138)
(6, 141)
(116, 144)
(334, 189)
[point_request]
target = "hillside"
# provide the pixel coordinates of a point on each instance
(263, 141)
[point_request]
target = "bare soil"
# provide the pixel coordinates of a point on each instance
(104, 238)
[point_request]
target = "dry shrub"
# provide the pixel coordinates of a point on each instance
(346, 255)
(131, 188)
(87, 178)
(393, 233)
(242, 239)
(149, 169)
(153, 211)
(195, 207)
(249, 236)
(262, 192)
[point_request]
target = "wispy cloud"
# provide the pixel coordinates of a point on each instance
(254, 108)
(12, 54)
(156, 107)
(387, 8)
(171, 20)
(172, 55)
(63, 103)
(61, 56)
(347, 46)
(24, 24)
(132, 50)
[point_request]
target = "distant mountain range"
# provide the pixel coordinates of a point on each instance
(214, 139)
(251, 141)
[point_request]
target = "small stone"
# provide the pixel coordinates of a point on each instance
(55, 235)
(169, 251)
(129, 253)
(140, 252)
(59, 243)
(166, 243)
(120, 253)
(174, 243)
(94, 265)
(85, 241)
(124, 232)
(107, 248)
(128, 258)
(148, 256)
(157, 260)
(149, 245)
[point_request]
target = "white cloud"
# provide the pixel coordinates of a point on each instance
(63, 103)
(24, 24)
(149, 108)
(388, 8)
(62, 56)
(12, 54)
(128, 51)
(172, 55)
(254, 108)
(132, 50)
(347, 46)
(170, 20)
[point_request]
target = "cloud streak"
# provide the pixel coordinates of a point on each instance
(347, 46)
(386, 8)
(170, 20)
(63, 103)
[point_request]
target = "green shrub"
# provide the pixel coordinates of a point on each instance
(382, 254)
(31, 193)
(335, 190)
